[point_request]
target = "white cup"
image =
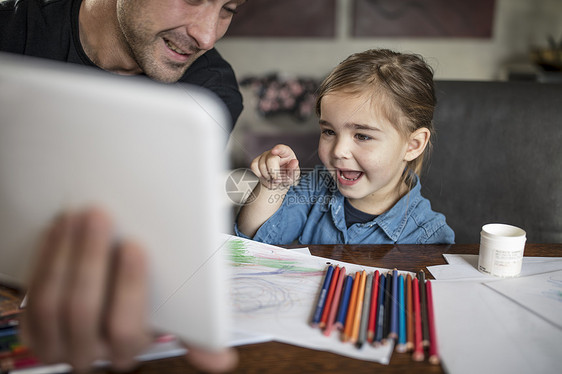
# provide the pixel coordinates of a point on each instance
(501, 250)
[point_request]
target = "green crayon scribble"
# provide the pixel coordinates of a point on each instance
(239, 256)
(238, 253)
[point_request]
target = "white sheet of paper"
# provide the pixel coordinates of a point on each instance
(454, 259)
(273, 292)
(463, 267)
(304, 251)
(481, 331)
(541, 294)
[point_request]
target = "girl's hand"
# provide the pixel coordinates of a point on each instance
(277, 168)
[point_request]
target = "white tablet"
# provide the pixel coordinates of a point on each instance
(151, 154)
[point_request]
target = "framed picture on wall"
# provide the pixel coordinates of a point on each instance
(285, 19)
(423, 18)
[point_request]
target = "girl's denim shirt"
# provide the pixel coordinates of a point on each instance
(312, 212)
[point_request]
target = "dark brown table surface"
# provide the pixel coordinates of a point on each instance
(274, 357)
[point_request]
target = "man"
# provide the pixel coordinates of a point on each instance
(87, 294)
(167, 40)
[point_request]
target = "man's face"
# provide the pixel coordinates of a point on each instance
(165, 36)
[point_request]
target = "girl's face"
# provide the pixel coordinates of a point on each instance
(363, 151)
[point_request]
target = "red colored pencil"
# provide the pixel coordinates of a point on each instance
(351, 309)
(433, 349)
(329, 298)
(335, 303)
(409, 315)
(418, 354)
(373, 312)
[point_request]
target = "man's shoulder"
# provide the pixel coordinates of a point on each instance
(213, 72)
(16, 13)
(41, 28)
(12, 5)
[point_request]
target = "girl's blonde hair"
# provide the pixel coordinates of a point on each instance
(402, 86)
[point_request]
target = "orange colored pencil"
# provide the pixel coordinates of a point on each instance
(358, 308)
(351, 310)
(409, 315)
(329, 298)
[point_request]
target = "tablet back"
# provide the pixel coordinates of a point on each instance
(150, 154)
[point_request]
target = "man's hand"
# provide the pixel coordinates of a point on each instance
(88, 298)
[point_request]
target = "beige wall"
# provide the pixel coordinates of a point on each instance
(519, 25)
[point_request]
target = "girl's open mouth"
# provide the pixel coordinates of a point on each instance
(348, 177)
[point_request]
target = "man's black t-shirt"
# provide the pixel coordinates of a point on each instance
(49, 29)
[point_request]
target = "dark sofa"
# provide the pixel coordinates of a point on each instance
(497, 157)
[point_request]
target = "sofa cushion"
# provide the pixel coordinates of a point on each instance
(497, 157)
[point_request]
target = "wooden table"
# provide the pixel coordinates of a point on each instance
(274, 357)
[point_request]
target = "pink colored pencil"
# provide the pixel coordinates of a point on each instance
(373, 311)
(329, 298)
(335, 303)
(418, 354)
(433, 349)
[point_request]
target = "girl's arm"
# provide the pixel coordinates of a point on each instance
(277, 169)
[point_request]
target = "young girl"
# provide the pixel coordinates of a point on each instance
(375, 112)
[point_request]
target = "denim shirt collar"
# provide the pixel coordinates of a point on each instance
(392, 222)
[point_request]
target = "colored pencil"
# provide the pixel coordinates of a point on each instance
(322, 297)
(401, 347)
(348, 327)
(418, 354)
(380, 313)
(423, 307)
(335, 303)
(387, 302)
(329, 298)
(365, 311)
(409, 314)
(374, 306)
(433, 348)
(344, 304)
(393, 331)
(358, 308)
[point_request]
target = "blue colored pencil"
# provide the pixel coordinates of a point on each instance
(387, 303)
(322, 297)
(380, 314)
(393, 333)
(344, 302)
(401, 347)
